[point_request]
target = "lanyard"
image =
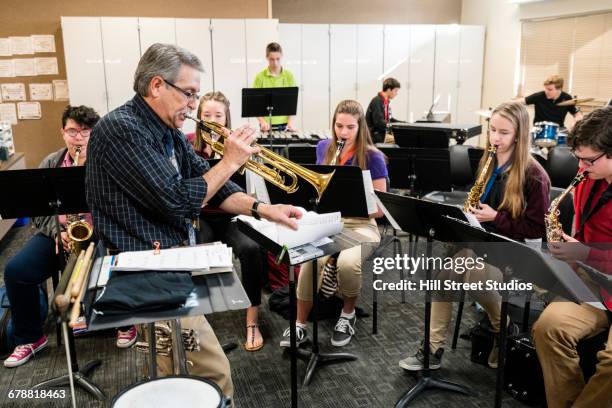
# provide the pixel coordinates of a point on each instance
(492, 180)
(347, 157)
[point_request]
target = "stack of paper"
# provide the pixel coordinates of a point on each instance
(311, 227)
(199, 259)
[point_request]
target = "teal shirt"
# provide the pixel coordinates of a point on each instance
(265, 79)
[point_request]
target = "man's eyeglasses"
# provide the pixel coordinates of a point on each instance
(72, 132)
(190, 95)
(591, 160)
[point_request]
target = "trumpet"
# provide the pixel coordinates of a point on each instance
(277, 163)
(341, 143)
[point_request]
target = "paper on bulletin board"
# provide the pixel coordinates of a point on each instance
(41, 92)
(25, 67)
(13, 92)
(5, 47)
(29, 110)
(21, 45)
(8, 113)
(60, 89)
(7, 68)
(46, 66)
(43, 43)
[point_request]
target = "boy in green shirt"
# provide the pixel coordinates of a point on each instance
(275, 76)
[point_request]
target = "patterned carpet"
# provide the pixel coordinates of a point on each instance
(261, 379)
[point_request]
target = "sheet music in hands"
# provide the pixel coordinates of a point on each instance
(199, 259)
(311, 227)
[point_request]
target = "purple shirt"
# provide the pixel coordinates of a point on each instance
(375, 160)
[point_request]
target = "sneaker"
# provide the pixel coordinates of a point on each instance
(24, 352)
(301, 336)
(415, 363)
(126, 338)
(344, 331)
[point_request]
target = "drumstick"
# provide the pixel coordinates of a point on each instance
(76, 272)
(86, 263)
(63, 299)
(61, 286)
(76, 307)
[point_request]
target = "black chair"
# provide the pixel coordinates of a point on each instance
(463, 165)
(561, 166)
(301, 153)
(399, 165)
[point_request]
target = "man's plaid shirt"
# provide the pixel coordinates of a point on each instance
(133, 190)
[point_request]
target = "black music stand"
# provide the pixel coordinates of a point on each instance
(517, 259)
(346, 182)
(261, 102)
(51, 192)
(422, 218)
(344, 240)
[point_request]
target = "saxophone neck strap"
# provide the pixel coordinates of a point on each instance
(494, 175)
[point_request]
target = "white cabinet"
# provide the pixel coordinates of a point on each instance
(291, 40)
(259, 33)
(315, 77)
(121, 56)
(229, 63)
(446, 80)
(85, 62)
(396, 65)
(470, 73)
(194, 35)
(156, 30)
(369, 62)
(421, 72)
(342, 64)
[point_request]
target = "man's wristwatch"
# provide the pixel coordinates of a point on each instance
(254, 212)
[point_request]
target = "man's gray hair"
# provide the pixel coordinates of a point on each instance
(164, 60)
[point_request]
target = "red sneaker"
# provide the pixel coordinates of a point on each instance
(126, 338)
(24, 352)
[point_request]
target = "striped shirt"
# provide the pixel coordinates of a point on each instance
(134, 191)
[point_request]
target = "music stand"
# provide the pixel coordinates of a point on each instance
(346, 182)
(518, 258)
(343, 240)
(51, 192)
(261, 102)
(422, 218)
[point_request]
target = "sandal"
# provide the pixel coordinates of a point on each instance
(249, 345)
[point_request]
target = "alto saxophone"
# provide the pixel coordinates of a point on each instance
(473, 198)
(78, 230)
(554, 230)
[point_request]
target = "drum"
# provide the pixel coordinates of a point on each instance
(171, 391)
(546, 135)
(562, 137)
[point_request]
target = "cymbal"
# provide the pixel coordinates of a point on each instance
(485, 113)
(575, 101)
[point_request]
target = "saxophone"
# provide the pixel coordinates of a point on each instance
(78, 230)
(163, 340)
(341, 143)
(554, 231)
(473, 198)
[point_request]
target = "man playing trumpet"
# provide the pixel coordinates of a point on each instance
(37, 260)
(146, 184)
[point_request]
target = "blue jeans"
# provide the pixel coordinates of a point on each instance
(34, 264)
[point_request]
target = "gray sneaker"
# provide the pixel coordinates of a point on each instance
(343, 331)
(301, 336)
(415, 362)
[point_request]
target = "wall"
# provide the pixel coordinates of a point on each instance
(503, 36)
(367, 11)
(39, 137)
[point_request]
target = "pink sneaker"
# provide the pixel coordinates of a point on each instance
(24, 352)
(126, 338)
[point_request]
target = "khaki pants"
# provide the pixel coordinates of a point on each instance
(556, 334)
(210, 362)
(441, 312)
(349, 262)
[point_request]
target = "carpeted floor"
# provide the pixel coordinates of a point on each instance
(261, 379)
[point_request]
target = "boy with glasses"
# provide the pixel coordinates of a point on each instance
(563, 324)
(37, 260)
